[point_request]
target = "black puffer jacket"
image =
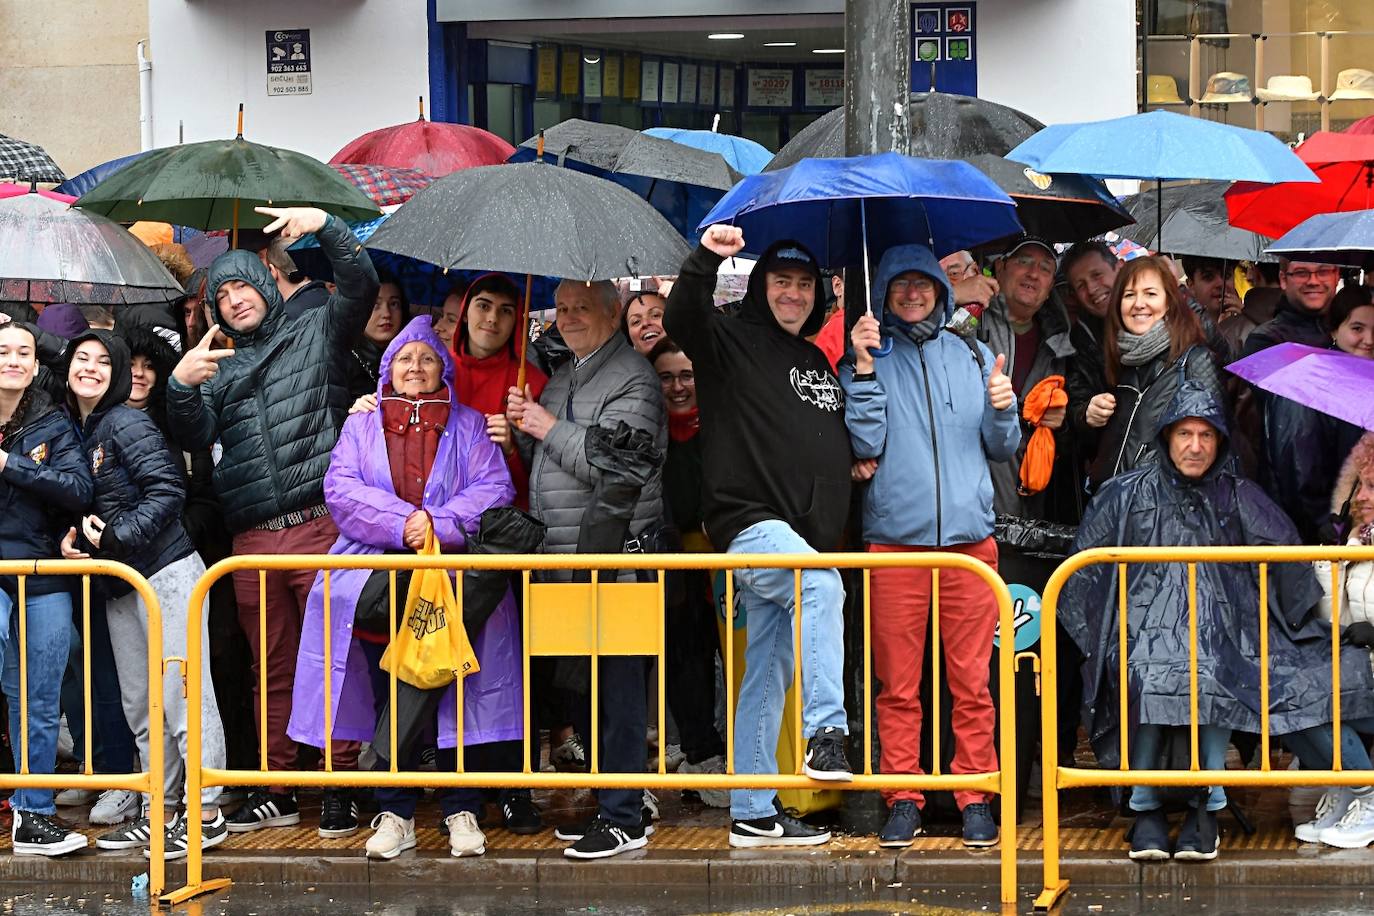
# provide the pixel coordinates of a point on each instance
(46, 480)
(1142, 393)
(139, 489)
(277, 404)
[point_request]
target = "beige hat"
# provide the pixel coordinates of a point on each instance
(1354, 84)
(1288, 89)
(1226, 87)
(1162, 90)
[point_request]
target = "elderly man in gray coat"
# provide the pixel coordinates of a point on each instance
(604, 384)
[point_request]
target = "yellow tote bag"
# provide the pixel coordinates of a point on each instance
(431, 649)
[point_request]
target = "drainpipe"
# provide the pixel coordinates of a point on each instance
(145, 98)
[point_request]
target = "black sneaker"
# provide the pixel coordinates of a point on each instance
(129, 836)
(825, 757)
(40, 835)
(1197, 840)
(903, 825)
(265, 809)
(212, 833)
(979, 828)
(519, 815)
(338, 813)
(571, 833)
(603, 839)
(778, 830)
(1150, 836)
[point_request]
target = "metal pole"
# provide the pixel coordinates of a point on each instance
(877, 76)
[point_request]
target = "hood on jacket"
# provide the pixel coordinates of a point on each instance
(754, 305)
(421, 329)
(121, 380)
(63, 319)
(460, 334)
(245, 266)
(1193, 400)
(899, 260)
(144, 341)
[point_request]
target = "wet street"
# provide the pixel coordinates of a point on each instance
(570, 900)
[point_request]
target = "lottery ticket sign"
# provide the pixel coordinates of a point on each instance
(288, 62)
(943, 47)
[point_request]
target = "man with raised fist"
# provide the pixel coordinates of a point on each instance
(272, 407)
(924, 422)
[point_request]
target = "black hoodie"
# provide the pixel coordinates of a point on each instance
(139, 488)
(773, 439)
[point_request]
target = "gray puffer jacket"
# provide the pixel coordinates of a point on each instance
(277, 404)
(615, 384)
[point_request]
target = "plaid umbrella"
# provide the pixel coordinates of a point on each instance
(387, 186)
(22, 161)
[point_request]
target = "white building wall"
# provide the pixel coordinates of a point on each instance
(1058, 60)
(369, 59)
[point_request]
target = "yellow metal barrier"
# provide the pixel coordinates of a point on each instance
(1058, 777)
(598, 619)
(151, 778)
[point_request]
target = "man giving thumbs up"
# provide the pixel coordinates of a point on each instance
(931, 412)
(275, 405)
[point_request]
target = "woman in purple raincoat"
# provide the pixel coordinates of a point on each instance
(423, 458)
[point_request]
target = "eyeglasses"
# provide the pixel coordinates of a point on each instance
(1302, 274)
(684, 378)
(920, 284)
(1026, 262)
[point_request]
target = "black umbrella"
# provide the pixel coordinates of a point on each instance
(626, 457)
(505, 529)
(21, 161)
(1059, 208)
(943, 126)
(50, 252)
(1191, 219)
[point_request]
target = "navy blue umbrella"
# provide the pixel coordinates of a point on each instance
(80, 184)
(1330, 238)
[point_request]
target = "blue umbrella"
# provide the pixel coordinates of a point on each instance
(744, 155)
(1162, 146)
(78, 185)
(1330, 238)
(826, 204)
(842, 208)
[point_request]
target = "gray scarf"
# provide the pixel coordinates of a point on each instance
(1139, 349)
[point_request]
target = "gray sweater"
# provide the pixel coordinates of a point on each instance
(615, 384)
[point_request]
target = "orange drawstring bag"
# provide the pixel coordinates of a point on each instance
(1038, 461)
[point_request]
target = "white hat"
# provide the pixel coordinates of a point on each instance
(1226, 87)
(1288, 89)
(1354, 84)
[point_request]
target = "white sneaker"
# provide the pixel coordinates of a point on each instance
(75, 798)
(1330, 809)
(465, 838)
(116, 806)
(651, 805)
(714, 798)
(1356, 829)
(394, 835)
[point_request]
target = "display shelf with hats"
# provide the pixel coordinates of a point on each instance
(1288, 88)
(1355, 84)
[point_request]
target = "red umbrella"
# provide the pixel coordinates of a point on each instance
(1345, 164)
(386, 186)
(1362, 126)
(8, 189)
(436, 149)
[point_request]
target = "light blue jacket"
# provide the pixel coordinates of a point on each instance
(927, 420)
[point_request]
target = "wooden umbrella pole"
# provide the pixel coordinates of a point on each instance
(240, 134)
(234, 235)
(422, 108)
(524, 334)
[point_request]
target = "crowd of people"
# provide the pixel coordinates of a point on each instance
(1085, 405)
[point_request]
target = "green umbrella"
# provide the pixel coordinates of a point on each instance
(216, 185)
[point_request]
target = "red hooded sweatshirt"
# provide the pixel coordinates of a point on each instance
(482, 385)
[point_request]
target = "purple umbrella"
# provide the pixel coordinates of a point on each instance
(1331, 381)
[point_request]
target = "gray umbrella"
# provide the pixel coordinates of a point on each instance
(616, 150)
(1191, 219)
(50, 252)
(943, 126)
(22, 161)
(533, 218)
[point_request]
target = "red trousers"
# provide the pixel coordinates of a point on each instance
(968, 616)
(287, 592)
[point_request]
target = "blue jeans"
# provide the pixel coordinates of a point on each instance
(48, 640)
(1148, 742)
(1313, 745)
(768, 596)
